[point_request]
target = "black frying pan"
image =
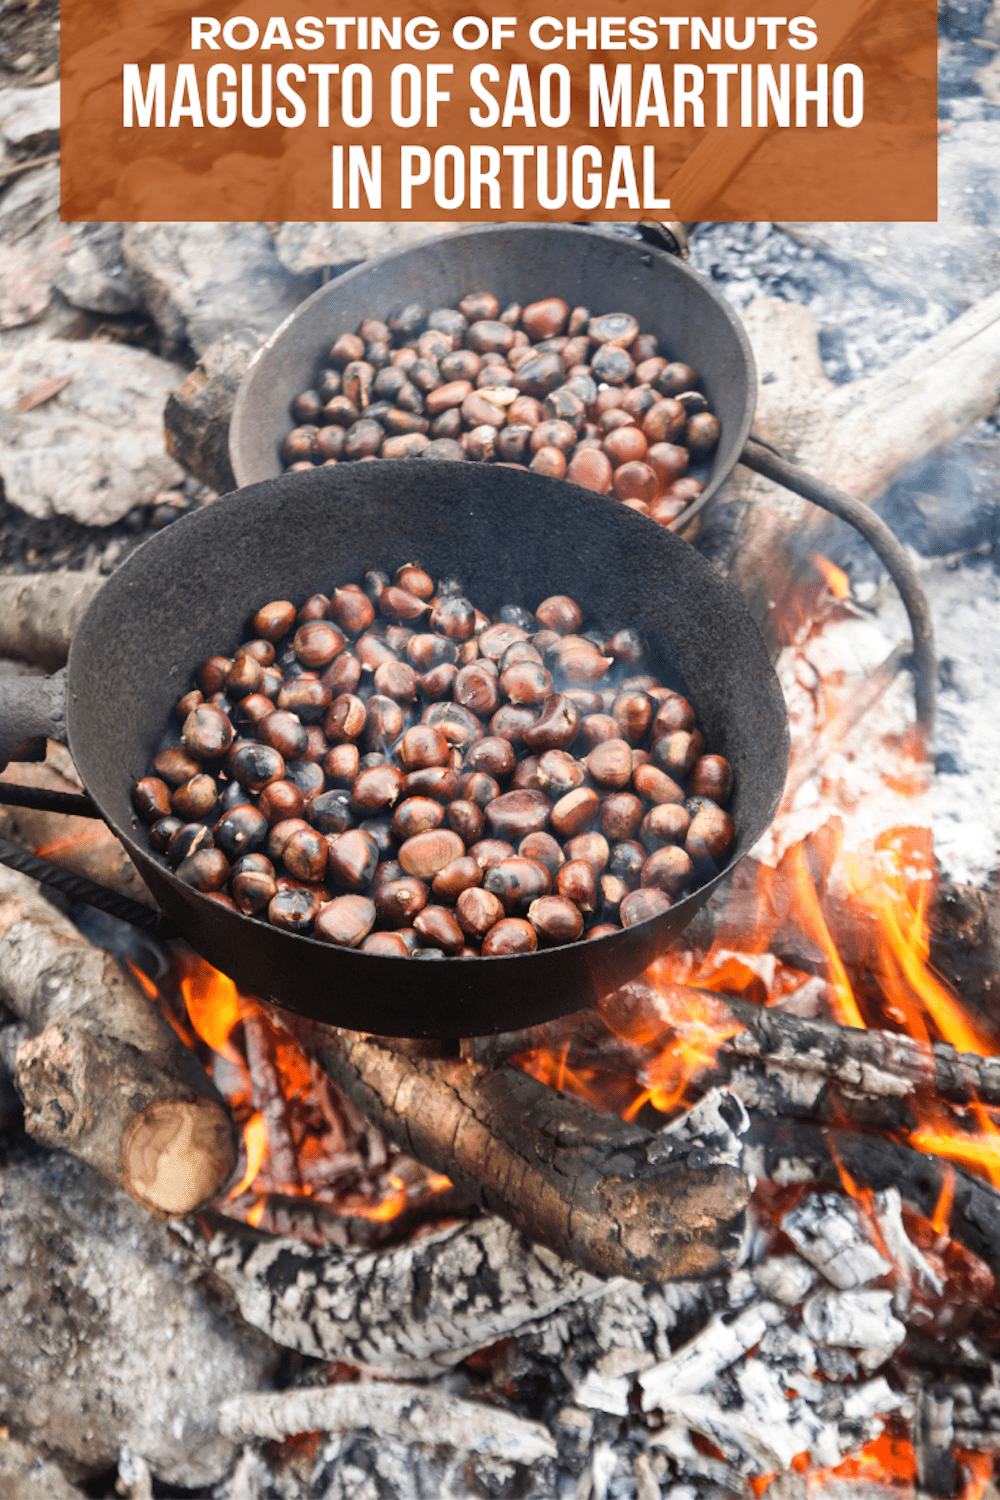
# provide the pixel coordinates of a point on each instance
(513, 537)
(517, 263)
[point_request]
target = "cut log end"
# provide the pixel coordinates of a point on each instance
(178, 1154)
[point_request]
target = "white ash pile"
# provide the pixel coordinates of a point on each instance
(799, 1355)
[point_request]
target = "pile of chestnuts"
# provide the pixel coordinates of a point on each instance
(545, 387)
(386, 768)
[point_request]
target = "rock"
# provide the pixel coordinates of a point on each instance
(26, 281)
(311, 247)
(94, 275)
(111, 1336)
(30, 117)
(197, 415)
(32, 245)
(954, 262)
(95, 448)
(25, 1475)
(201, 281)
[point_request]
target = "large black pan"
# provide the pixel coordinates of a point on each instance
(512, 537)
(518, 263)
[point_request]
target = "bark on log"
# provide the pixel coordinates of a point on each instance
(111, 1334)
(404, 1413)
(605, 1194)
(197, 415)
(411, 1311)
(269, 1099)
(40, 611)
(867, 1064)
(874, 1064)
(102, 1073)
(857, 437)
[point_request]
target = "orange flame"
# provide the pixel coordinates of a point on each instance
(835, 578)
(213, 1005)
(388, 1208)
(981, 1151)
(255, 1145)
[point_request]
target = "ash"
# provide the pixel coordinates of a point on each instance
(815, 1344)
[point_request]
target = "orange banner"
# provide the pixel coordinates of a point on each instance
(246, 112)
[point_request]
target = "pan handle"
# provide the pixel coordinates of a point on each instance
(891, 553)
(33, 710)
(667, 234)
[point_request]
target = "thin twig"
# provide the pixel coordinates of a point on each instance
(26, 166)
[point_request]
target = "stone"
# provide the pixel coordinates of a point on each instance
(32, 246)
(198, 413)
(25, 1475)
(29, 118)
(111, 1336)
(201, 281)
(94, 275)
(96, 448)
(313, 247)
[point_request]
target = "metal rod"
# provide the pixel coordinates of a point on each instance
(886, 546)
(74, 803)
(79, 888)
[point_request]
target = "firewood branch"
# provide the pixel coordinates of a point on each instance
(101, 1073)
(40, 611)
(876, 1064)
(609, 1196)
(406, 1413)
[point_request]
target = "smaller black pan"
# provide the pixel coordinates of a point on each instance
(512, 537)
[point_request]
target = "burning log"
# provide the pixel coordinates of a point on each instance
(101, 1073)
(318, 1223)
(783, 1151)
(937, 1469)
(404, 1413)
(609, 1196)
(874, 1064)
(269, 1099)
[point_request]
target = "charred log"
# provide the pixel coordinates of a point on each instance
(101, 1073)
(877, 1064)
(411, 1311)
(405, 1413)
(608, 1195)
(785, 1151)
